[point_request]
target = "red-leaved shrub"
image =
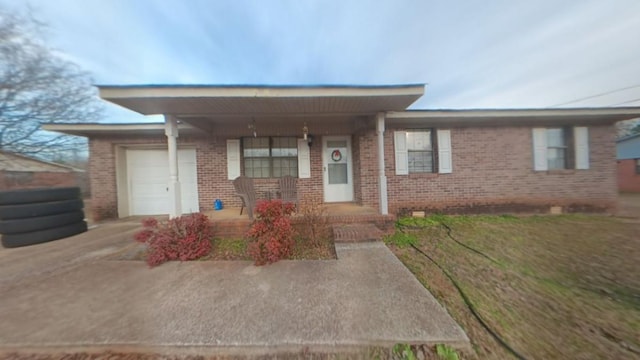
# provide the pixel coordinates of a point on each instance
(187, 237)
(271, 233)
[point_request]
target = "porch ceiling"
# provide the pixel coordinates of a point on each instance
(207, 100)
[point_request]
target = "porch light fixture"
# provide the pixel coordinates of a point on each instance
(305, 131)
(252, 126)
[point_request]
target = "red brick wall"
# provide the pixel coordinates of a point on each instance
(493, 170)
(29, 180)
(367, 163)
(628, 179)
(102, 180)
(212, 172)
(213, 183)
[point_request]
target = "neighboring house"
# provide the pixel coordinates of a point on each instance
(628, 149)
(361, 146)
(21, 172)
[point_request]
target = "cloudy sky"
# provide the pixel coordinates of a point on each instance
(471, 54)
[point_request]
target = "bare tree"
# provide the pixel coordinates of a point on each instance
(628, 127)
(37, 86)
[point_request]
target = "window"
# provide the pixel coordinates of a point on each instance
(561, 148)
(637, 166)
(423, 151)
(266, 157)
(420, 152)
(557, 149)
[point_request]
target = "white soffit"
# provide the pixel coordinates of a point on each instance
(183, 100)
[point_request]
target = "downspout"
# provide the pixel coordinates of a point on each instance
(175, 196)
(382, 178)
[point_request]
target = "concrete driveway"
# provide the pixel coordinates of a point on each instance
(68, 294)
(31, 263)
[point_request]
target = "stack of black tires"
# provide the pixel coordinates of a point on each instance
(33, 216)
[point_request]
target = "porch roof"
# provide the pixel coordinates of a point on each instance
(220, 100)
(97, 129)
(513, 117)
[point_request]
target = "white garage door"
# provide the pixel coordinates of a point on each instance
(148, 177)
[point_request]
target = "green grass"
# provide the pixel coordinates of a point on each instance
(228, 249)
(561, 286)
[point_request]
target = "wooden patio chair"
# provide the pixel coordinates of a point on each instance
(288, 190)
(247, 193)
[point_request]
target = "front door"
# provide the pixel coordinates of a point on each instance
(337, 168)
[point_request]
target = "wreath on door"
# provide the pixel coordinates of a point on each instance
(336, 155)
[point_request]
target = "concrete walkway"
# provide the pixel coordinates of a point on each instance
(365, 298)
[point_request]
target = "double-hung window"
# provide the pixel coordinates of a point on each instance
(557, 148)
(638, 166)
(267, 157)
(422, 151)
(560, 148)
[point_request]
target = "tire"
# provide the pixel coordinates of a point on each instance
(9, 212)
(37, 237)
(28, 196)
(29, 225)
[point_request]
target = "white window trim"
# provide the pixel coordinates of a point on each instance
(234, 161)
(581, 148)
(445, 162)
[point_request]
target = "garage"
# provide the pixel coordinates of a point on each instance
(148, 178)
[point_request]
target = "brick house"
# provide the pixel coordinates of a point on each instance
(355, 144)
(628, 156)
(22, 172)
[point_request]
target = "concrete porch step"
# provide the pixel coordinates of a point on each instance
(350, 233)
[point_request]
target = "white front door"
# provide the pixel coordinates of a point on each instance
(337, 168)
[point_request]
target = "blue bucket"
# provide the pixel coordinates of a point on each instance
(217, 205)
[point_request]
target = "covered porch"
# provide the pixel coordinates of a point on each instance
(324, 124)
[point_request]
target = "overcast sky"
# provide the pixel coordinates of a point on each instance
(471, 54)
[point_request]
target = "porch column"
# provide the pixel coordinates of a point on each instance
(382, 178)
(175, 198)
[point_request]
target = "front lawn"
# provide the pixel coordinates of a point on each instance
(551, 286)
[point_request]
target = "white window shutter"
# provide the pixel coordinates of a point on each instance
(304, 159)
(402, 156)
(540, 149)
(581, 140)
(233, 158)
(445, 165)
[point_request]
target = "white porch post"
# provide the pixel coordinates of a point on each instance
(382, 178)
(175, 198)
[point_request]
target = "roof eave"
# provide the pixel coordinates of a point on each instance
(515, 116)
(191, 100)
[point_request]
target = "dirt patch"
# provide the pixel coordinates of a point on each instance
(558, 286)
(629, 205)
